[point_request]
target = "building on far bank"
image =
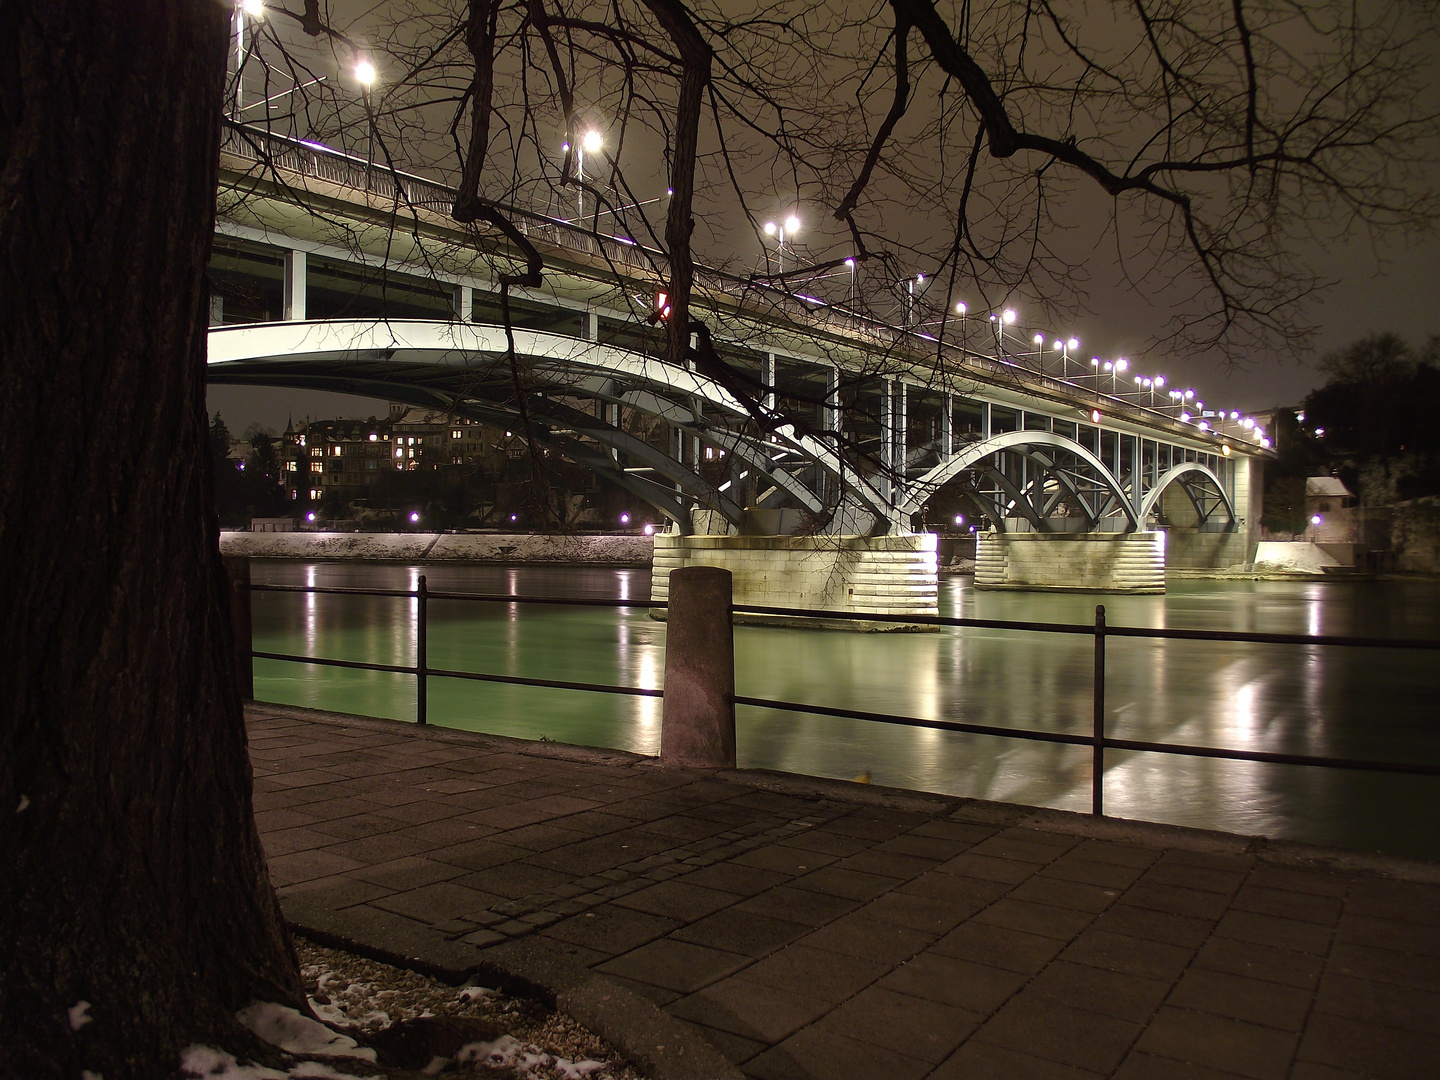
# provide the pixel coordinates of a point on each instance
(344, 458)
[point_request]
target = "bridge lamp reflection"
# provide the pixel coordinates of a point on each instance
(310, 516)
(624, 519)
(414, 516)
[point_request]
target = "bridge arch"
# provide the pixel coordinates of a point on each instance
(458, 367)
(1032, 445)
(1200, 484)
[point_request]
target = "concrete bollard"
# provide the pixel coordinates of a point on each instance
(698, 713)
(237, 574)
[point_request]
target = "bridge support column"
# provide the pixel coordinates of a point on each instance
(873, 575)
(1131, 562)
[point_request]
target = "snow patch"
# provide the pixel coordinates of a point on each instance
(213, 1064)
(24, 803)
(286, 1028)
(474, 993)
(508, 1052)
(79, 1015)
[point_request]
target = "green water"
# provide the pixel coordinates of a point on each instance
(1358, 703)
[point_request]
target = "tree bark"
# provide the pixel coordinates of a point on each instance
(131, 872)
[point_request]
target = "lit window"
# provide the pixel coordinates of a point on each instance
(337, 449)
(456, 434)
(372, 436)
(399, 452)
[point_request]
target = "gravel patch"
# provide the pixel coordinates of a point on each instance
(437, 1029)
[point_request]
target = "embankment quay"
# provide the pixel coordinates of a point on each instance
(722, 923)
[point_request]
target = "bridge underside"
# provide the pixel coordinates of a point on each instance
(683, 443)
(715, 462)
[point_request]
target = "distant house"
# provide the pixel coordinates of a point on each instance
(1330, 509)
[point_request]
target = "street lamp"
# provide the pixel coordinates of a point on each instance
(851, 264)
(245, 9)
(961, 310)
(365, 75)
(791, 225)
(590, 142)
(910, 283)
(1039, 340)
(1005, 318)
(1065, 347)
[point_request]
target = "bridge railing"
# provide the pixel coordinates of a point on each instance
(273, 150)
(1097, 740)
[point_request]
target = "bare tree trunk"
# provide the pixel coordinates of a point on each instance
(131, 873)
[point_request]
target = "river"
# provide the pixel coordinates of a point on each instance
(1340, 702)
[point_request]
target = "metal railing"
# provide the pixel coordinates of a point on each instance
(1097, 740)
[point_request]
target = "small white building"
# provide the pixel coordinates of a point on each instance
(1330, 510)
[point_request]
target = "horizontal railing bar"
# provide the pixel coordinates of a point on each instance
(914, 721)
(335, 589)
(1063, 738)
(921, 620)
(518, 680)
(442, 673)
(327, 662)
(1253, 637)
(1275, 639)
(1416, 768)
(506, 598)
(1110, 744)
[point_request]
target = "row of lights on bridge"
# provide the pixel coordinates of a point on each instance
(591, 142)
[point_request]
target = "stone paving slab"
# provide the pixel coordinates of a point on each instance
(783, 928)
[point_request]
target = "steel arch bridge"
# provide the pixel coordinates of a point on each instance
(573, 392)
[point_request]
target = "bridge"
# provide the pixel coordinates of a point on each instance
(809, 465)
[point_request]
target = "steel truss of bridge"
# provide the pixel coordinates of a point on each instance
(842, 424)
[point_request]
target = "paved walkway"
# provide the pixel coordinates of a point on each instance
(811, 929)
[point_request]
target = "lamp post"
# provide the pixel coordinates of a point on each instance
(961, 309)
(850, 263)
(590, 142)
(1065, 347)
(365, 75)
(1039, 340)
(910, 283)
(791, 225)
(999, 322)
(244, 9)
(1118, 368)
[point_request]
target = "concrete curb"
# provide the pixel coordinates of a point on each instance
(659, 1045)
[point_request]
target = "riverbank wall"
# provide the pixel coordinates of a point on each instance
(504, 548)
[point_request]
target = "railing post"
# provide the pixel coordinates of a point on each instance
(1097, 781)
(422, 600)
(697, 717)
(237, 575)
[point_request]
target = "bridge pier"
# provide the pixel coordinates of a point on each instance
(868, 575)
(1129, 562)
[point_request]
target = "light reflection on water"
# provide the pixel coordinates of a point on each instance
(1334, 702)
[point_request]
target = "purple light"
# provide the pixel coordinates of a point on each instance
(624, 519)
